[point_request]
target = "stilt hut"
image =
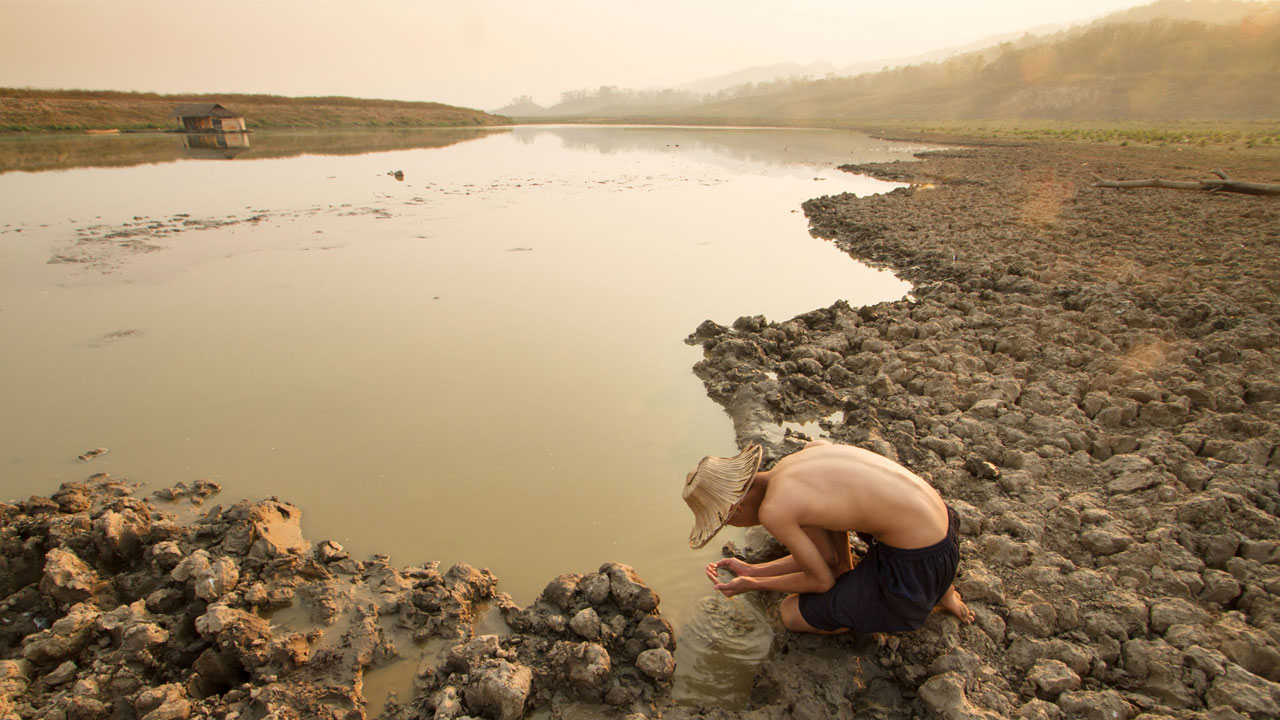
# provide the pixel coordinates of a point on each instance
(208, 117)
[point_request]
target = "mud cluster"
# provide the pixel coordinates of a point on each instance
(1090, 378)
(164, 608)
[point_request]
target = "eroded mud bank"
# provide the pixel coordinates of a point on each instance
(161, 607)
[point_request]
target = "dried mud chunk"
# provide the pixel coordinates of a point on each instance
(588, 666)
(1167, 612)
(1033, 615)
(560, 592)
(1051, 678)
(118, 533)
(628, 590)
(64, 639)
(657, 663)
(1158, 669)
(67, 579)
(944, 694)
(1241, 690)
(586, 623)
(1089, 705)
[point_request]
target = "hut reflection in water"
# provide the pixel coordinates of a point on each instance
(214, 146)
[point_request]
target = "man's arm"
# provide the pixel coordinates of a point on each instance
(814, 573)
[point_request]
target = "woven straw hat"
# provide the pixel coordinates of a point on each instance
(715, 488)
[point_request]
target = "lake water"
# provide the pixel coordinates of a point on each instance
(483, 361)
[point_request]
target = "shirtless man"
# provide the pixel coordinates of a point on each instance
(810, 501)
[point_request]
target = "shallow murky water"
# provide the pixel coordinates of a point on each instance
(482, 362)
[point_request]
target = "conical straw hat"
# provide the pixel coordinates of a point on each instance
(715, 488)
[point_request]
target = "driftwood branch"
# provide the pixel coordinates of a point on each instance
(1223, 183)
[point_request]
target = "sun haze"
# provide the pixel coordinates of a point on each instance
(480, 53)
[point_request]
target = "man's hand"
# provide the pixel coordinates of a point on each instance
(735, 586)
(733, 565)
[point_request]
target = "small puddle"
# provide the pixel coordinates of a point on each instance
(719, 650)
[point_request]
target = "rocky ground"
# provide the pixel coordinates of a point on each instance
(1090, 377)
(161, 607)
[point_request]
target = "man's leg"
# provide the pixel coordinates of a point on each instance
(795, 622)
(834, 547)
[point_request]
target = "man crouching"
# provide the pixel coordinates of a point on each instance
(810, 501)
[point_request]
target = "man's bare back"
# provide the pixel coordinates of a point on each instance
(811, 500)
(844, 488)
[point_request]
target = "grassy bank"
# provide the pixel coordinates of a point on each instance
(28, 110)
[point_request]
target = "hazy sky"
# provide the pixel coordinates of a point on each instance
(475, 53)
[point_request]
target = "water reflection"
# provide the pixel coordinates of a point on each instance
(214, 146)
(770, 146)
(35, 152)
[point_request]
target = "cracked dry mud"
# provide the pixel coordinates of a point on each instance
(1090, 377)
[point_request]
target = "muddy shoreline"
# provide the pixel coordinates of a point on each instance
(1088, 375)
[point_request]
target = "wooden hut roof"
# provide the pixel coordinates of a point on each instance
(203, 110)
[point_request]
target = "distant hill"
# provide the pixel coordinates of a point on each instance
(1158, 70)
(26, 109)
(1172, 59)
(757, 74)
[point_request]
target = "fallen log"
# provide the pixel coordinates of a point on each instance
(1223, 183)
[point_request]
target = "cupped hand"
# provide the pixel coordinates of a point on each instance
(733, 565)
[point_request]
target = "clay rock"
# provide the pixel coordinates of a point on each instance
(595, 588)
(1089, 705)
(467, 584)
(466, 656)
(67, 579)
(1166, 612)
(560, 592)
(655, 631)
(1242, 690)
(588, 666)
(658, 663)
(62, 674)
(118, 533)
(1051, 678)
(277, 528)
(628, 590)
(166, 702)
(142, 637)
(586, 624)
(65, 638)
(944, 695)
(209, 578)
(981, 585)
(1033, 615)
(166, 555)
(1157, 666)
(244, 635)
(330, 551)
(499, 690)
(1105, 541)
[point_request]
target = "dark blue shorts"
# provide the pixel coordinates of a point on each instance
(890, 589)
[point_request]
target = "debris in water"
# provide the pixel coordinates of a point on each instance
(86, 457)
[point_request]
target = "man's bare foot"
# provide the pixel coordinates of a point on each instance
(952, 603)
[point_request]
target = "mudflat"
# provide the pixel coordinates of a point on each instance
(1088, 375)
